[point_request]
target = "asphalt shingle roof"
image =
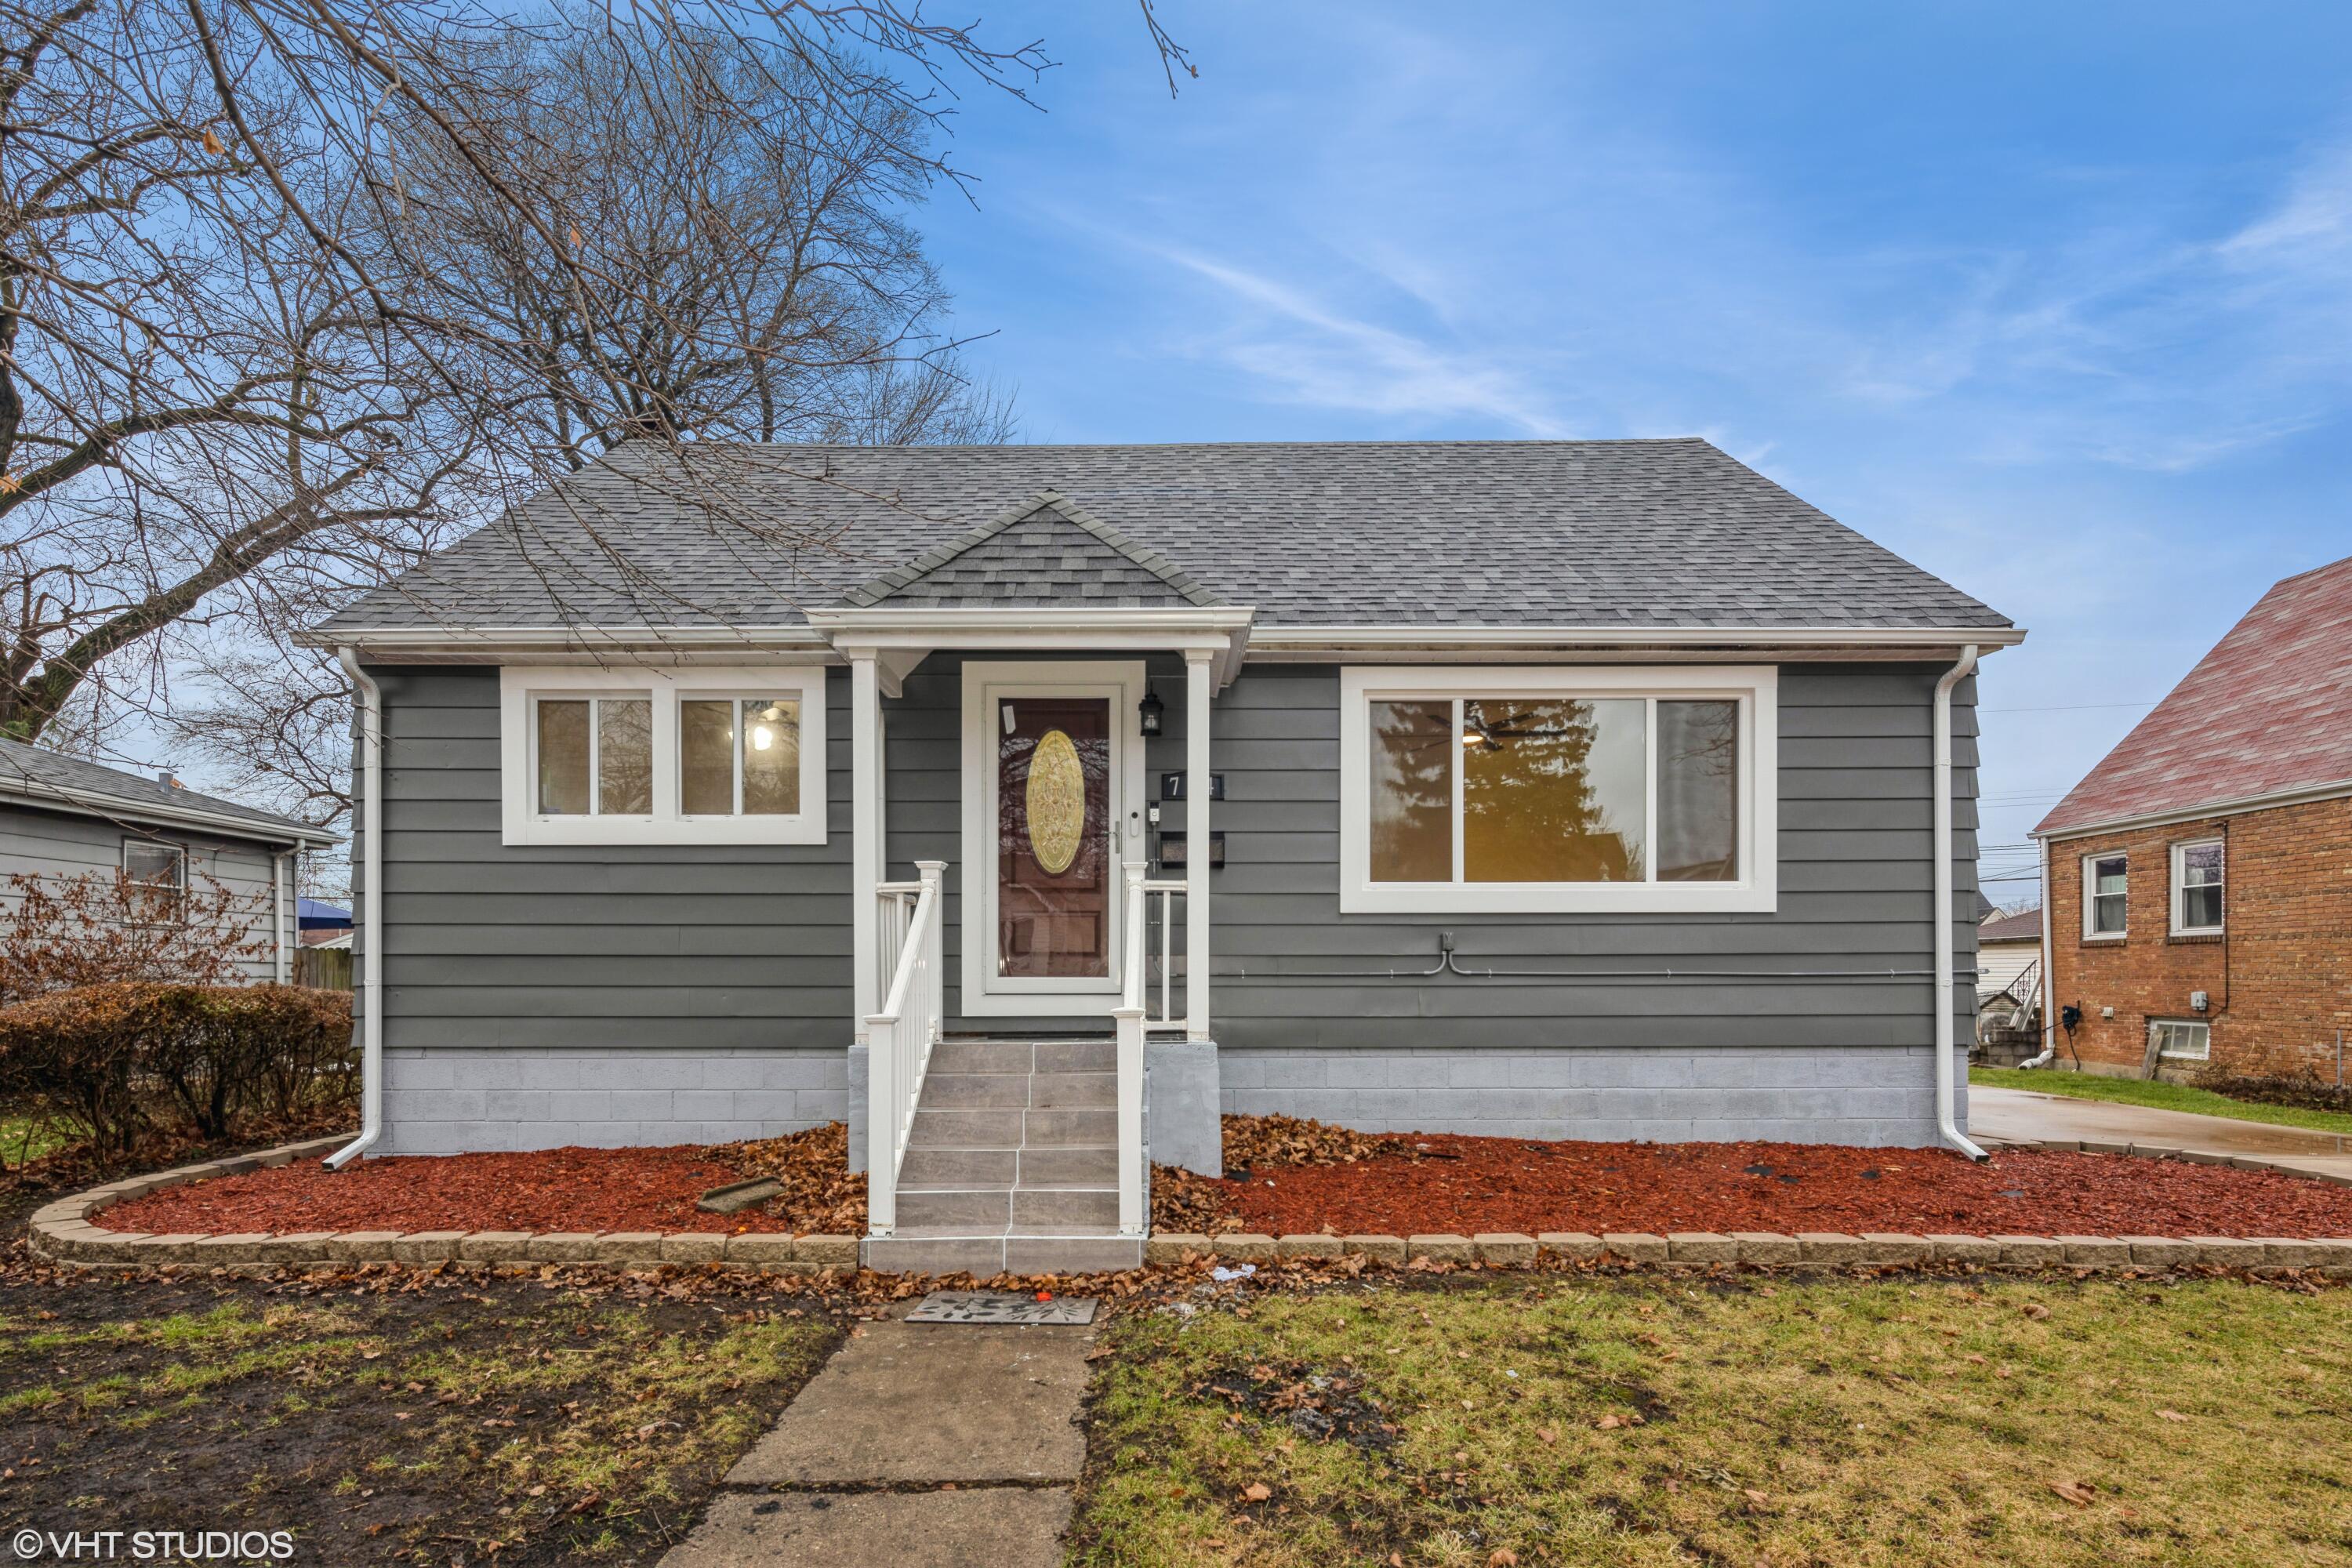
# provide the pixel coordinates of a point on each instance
(1568, 533)
(1053, 553)
(27, 772)
(2269, 710)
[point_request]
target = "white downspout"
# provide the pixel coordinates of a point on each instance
(1945, 1094)
(368, 944)
(2049, 1012)
(278, 969)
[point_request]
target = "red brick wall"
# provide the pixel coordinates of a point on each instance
(2279, 977)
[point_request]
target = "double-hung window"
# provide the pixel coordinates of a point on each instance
(692, 756)
(1530, 789)
(2196, 888)
(155, 878)
(2106, 896)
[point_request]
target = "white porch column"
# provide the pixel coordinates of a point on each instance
(1196, 842)
(865, 837)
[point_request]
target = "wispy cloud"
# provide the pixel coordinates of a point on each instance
(1299, 348)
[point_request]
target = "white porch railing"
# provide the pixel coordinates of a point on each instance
(1165, 1015)
(1133, 1019)
(900, 1036)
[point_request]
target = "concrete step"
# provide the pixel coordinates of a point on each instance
(1078, 1056)
(962, 1169)
(1067, 1167)
(929, 1252)
(978, 1090)
(983, 1056)
(1060, 1129)
(970, 1211)
(1073, 1090)
(968, 1129)
(1047, 1210)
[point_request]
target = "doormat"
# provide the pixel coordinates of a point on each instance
(1000, 1307)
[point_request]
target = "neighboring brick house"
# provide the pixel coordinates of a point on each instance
(2207, 860)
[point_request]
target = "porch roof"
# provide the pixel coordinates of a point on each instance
(1436, 536)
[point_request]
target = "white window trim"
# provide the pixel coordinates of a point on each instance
(2180, 857)
(521, 822)
(2089, 881)
(986, 994)
(2203, 1055)
(1756, 687)
(179, 885)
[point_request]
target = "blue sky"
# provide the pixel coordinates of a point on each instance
(2055, 300)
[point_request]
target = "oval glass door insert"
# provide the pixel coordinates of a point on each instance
(1057, 803)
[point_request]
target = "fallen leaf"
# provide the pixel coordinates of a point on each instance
(2036, 1310)
(1547, 1434)
(1257, 1491)
(1610, 1423)
(2080, 1493)
(1752, 1495)
(2170, 1416)
(1502, 1557)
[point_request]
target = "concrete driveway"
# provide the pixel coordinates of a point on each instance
(2020, 1115)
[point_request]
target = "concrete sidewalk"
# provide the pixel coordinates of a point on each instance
(916, 1446)
(2016, 1115)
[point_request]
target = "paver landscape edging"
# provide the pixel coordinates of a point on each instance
(62, 1233)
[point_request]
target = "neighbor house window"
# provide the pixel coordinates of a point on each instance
(2196, 888)
(2105, 896)
(705, 756)
(157, 877)
(2181, 1038)
(1533, 789)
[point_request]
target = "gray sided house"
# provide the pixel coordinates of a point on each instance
(62, 817)
(1028, 805)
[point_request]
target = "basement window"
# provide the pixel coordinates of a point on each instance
(2181, 1038)
(697, 756)
(1532, 790)
(2106, 896)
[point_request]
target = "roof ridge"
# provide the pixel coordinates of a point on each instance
(874, 590)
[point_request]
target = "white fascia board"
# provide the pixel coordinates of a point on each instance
(2236, 806)
(93, 803)
(1340, 636)
(991, 617)
(491, 644)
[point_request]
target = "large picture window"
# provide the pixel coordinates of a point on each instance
(1535, 789)
(706, 756)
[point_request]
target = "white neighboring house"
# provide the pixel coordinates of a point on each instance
(61, 816)
(2008, 957)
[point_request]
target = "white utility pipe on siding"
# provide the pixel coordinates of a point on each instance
(1945, 1096)
(2049, 1010)
(367, 949)
(281, 969)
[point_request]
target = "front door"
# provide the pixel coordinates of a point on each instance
(1054, 858)
(1053, 792)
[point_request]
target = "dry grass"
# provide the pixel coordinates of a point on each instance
(1656, 1422)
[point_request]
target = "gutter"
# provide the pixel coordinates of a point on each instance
(370, 957)
(114, 807)
(279, 969)
(1945, 1093)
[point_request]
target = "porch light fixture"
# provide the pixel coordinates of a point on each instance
(1149, 713)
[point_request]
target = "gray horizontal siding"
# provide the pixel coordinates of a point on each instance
(631, 948)
(538, 949)
(59, 845)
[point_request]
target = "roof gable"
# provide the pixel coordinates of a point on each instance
(2267, 711)
(1048, 549)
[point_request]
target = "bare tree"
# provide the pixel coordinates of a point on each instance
(293, 290)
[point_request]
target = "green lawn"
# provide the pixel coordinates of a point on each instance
(2160, 1097)
(26, 1138)
(1668, 1422)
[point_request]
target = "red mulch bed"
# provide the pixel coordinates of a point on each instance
(545, 1190)
(1469, 1184)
